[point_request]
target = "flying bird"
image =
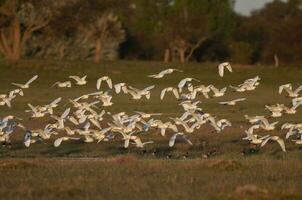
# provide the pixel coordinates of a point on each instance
(233, 102)
(26, 85)
(163, 73)
(104, 78)
(79, 80)
(222, 66)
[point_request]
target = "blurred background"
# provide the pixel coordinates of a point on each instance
(240, 31)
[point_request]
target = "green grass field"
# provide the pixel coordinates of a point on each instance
(106, 170)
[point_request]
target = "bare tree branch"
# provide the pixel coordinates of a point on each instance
(194, 47)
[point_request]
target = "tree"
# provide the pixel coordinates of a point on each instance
(143, 19)
(81, 30)
(179, 27)
(191, 23)
(274, 32)
(18, 21)
(96, 19)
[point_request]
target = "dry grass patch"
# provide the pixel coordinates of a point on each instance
(251, 192)
(123, 159)
(224, 165)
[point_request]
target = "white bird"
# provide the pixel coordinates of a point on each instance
(184, 82)
(291, 110)
(189, 106)
(203, 89)
(49, 108)
(217, 92)
(147, 115)
(240, 88)
(299, 142)
(277, 139)
(163, 73)
(79, 80)
(105, 98)
(247, 85)
(268, 126)
(294, 130)
(128, 137)
(61, 119)
(163, 126)
(16, 91)
(264, 123)
(27, 139)
(181, 135)
(58, 141)
(66, 84)
(104, 78)
(120, 87)
(276, 110)
(100, 135)
(26, 85)
(296, 101)
(169, 89)
(254, 119)
(285, 86)
(142, 144)
(138, 94)
(6, 100)
(222, 66)
(190, 129)
(219, 125)
(254, 139)
(233, 102)
(36, 112)
(288, 88)
(69, 131)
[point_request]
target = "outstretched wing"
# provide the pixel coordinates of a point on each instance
(187, 139)
(32, 107)
(221, 69)
(65, 114)
(56, 83)
(32, 80)
(240, 99)
(214, 89)
(58, 142)
(229, 67)
(182, 83)
(298, 89)
(281, 143)
(76, 78)
(149, 88)
(172, 140)
(18, 85)
(56, 101)
(98, 83)
(109, 82)
(162, 94)
(265, 141)
(175, 92)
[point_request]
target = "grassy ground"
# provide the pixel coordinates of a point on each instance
(40, 173)
(125, 177)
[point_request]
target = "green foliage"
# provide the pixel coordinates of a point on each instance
(200, 30)
(276, 29)
(241, 52)
(75, 28)
(179, 24)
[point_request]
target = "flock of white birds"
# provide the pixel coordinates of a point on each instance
(83, 120)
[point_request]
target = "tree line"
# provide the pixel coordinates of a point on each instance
(169, 30)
